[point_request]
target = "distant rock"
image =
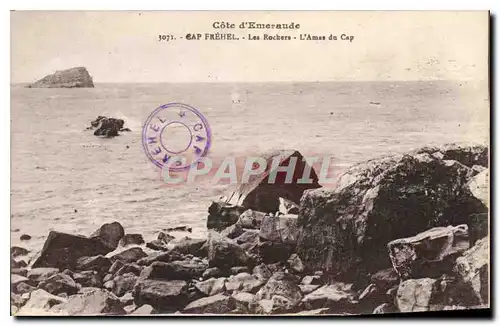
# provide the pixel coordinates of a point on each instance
(77, 77)
(108, 127)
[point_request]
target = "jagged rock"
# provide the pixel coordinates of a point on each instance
(17, 300)
(16, 279)
(272, 252)
(19, 271)
(130, 268)
(239, 269)
(110, 234)
(99, 264)
(91, 302)
(276, 305)
(311, 279)
(88, 279)
(16, 251)
(161, 257)
(40, 302)
(472, 270)
(109, 285)
(243, 301)
(165, 296)
(261, 193)
(251, 219)
(69, 78)
(338, 296)
(308, 288)
(287, 207)
(479, 227)
(280, 229)
(131, 239)
(232, 231)
(42, 273)
(123, 284)
(187, 246)
(117, 264)
(211, 286)
(221, 215)
(479, 187)
(176, 270)
(144, 310)
(23, 287)
(165, 237)
(62, 250)
(59, 283)
(157, 245)
(217, 304)
(129, 256)
(262, 272)
(213, 272)
(127, 299)
(108, 127)
(428, 254)
(281, 284)
(244, 282)
(17, 264)
(415, 295)
(248, 236)
(224, 253)
(346, 229)
(385, 279)
(295, 263)
(385, 308)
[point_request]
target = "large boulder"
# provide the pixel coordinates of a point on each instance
(416, 295)
(217, 304)
(164, 296)
(281, 284)
(428, 254)
(221, 215)
(129, 255)
(110, 234)
(479, 186)
(40, 303)
(225, 253)
(338, 296)
(59, 283)
(69, 78)
(176, 270)
(345, 230)
(281, 229)
(62, 250)
(472, 271)
(91, 302)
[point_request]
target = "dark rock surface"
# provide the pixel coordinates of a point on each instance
(69, 78)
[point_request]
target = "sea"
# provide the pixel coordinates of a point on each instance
(64, 178)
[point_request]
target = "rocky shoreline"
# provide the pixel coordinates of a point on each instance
(398, 234)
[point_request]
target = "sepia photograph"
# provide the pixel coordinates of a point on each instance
(249, 163)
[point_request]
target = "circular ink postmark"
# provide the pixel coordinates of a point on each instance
(176, 130)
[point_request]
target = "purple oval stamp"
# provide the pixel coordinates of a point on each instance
(174, 131)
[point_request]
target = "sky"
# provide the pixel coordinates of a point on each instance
(124, 47)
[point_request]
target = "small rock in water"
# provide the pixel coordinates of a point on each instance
(18, 251)
(25, 237)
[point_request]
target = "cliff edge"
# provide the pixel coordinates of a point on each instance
(69, 78)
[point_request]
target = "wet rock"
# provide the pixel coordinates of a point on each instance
(110, 234)
(217, 304)
(262, 272)
(415, 295)
(129, 256)
(243, 301)
(40, 302)
(165, 237)
(280, 229)
(225, 253)
(16, 251)
(472, 271)
(281, 284)
(41, 274)
(188, 246)
(222, 215)
(232, 231)
(262, 193)
(92, 302)
(157, 245)
(123, 284)
(131, 239)
(144, 310)
(295, 263)
(428, 254)
(338, 296)
(346, 229)
(165, 296)
(287, 207)
(109, 127)
(99, 264)
(211, 286)
(251, 219)
(248, 236)
(184, 228)
(176, 270)
(59, 283)
(88, 279)
(69, 78)
(62, 250)
(25, 237)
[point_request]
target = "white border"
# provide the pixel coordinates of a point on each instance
(492, 5)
